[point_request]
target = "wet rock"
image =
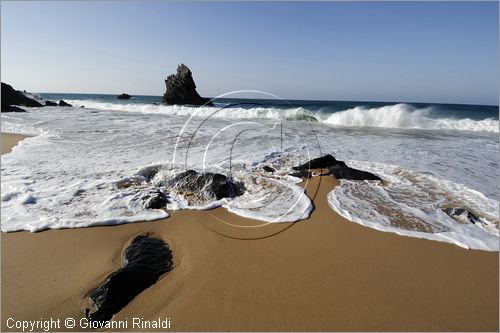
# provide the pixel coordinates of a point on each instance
(341, 171)
(461, 214)
(302, 174)
(268, 169)
(49, 103)
(10, 108)
(338, 168)
(181, 89)
(63, 103)
(317, 163)
(10, 97)
(143, 262)
(150, 171)
(123, 96)
(155, 199)
(210, 184)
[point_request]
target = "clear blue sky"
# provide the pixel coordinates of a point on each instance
(435, 52)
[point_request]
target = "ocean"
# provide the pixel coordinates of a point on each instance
(430, 156)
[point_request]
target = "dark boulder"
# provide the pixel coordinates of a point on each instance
(155, 199)
(123, 96)
(267, 168)
(49, 103)
(10, 96)
(461, 213)
(181, 89)
(341, 171)
(63, 103)
(338, 168)
(10, 108)
(213, 185)
(317, 163)
(143, 262)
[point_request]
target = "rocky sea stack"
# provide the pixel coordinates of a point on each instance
(181, 89)
(123, 96)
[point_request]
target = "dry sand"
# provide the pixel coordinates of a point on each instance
(321, 274)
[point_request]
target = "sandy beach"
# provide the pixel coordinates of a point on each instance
(321, 274)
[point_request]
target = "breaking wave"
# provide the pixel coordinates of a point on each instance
(399, 116)
(407, 116)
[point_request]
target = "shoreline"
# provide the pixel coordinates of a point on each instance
(320, 274)
(10, 140)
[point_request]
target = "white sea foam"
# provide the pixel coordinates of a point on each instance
(411, 204)
(298, 113)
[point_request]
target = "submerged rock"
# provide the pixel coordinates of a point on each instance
(143, 262)
(338, 168)
(123, 96)
(63, 103)
(207, 184)
(181, 89)
(461, 214)
(49, 103)
(11, 97)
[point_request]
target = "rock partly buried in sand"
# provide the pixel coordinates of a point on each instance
(209, 185)
(63, 103)
(123, 96)
(181, 89)
(11, 97)
(143, 262)
(461, 215)
(338, 168)
(49, 103)
(155, 199)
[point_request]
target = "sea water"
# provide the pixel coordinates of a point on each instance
(431, 156)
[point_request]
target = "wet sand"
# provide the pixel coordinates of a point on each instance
(321, 274)
(8, 141)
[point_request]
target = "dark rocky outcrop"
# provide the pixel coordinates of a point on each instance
(210, 184)
(11, 97)
(143, 262)
(463, 213)
(63, 103)
(123, 96)
(49, 103)
(338, 168)
(181, 89)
